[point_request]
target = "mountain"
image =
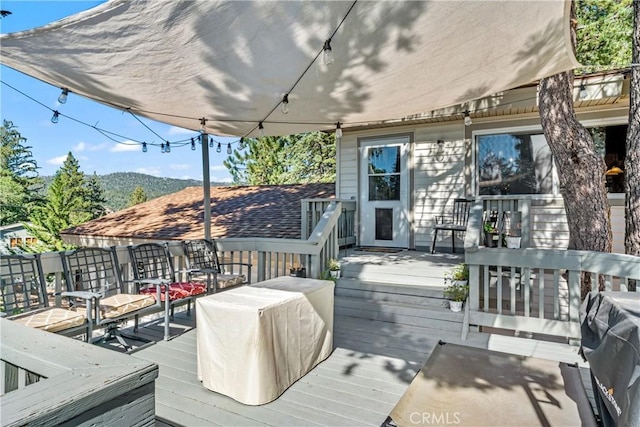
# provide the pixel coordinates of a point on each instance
(119, 186)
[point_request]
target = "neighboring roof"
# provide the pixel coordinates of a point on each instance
(244, 211)
(231, 62)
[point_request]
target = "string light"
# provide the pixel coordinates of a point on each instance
(54, 118)
(144, 147)
(203, 123)
(467, 118)
(193, 145)
(260, 131)
(210, 142)
(219, 148)
(241, 143)
(62, 99)
(167, 147)
(327, 53)
(338, 132)
(162, 148)
(229, 148)
(284, 107)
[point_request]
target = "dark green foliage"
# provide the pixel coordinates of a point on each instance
(604, 33)
(95, 197)
(119, 186)
(294, 159)
(20, 184)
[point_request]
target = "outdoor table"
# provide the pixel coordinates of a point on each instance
(254, 341)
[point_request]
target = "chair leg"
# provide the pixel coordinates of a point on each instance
(453, 241)
(433, 243)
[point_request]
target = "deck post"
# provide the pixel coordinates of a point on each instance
(206, 184)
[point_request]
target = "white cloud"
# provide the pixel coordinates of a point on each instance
(155, 171)
(57, 161)
(225, 179)
(180, 166)
(175, 130)
(79, 147)
(218, 168)
(125, 146)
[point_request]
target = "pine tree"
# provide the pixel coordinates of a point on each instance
(95, 197)
(19, 180)
(66, 206)
(137, 196)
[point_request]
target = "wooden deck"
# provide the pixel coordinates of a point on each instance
(359, 384)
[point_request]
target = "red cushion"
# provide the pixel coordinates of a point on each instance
(178, 290)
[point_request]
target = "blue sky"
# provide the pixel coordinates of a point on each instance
(96, 153)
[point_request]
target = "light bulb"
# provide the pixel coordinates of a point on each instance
(219, 149)
(144, 147)
(229, 148)
(284, 107)
(193, 145)
(327, 53)
(338, 132)
(241, 144)
(54, 118)
(467, 118)
(162, 147)
(203, 122)
(260, 131)
(62, 99)
(583, 92)
(167, 148)
(210, 142)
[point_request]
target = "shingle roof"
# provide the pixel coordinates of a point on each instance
(247, 211)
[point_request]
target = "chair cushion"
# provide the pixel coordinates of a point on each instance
(117, 305)
(228, 280)
(52, 319)
(179, 290)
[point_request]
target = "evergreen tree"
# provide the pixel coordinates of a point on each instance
(66, 206)
(95, 197)
(293, 159)
(137, 196)
(19, 180)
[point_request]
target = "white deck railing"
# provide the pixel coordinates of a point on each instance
(49, 379)
(538, 290)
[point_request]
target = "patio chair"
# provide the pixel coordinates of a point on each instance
(456, 221)
(152, 266)
(24, 299)
(97, 270)
(202, 259)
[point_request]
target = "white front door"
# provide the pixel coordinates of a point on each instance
(384, 192)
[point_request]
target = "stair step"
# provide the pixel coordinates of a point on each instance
(384, 287)
(390, 297)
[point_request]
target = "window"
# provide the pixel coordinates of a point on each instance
(514, 163)
(31, 240)
(14, 242)
(384, 173)
(610, 142)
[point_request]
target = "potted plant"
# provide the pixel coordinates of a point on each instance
(334, 268)
(458, 288)
(297, 270)
(490, 235)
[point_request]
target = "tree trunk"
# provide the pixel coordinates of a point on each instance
(580, 169)
(632, 159)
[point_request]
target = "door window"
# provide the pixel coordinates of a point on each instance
(384, 173)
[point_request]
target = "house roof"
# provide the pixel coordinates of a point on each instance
(272, 211)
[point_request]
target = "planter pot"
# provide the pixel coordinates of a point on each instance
(491, 240)
(513, 242)
(298, 272)
(335, 274)
(455, 306)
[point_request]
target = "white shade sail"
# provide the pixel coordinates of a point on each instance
(231, 62)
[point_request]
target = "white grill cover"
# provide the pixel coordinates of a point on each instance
(257, 340)
(231, 62)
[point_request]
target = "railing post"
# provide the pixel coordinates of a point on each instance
(474, 287)
(304, 226)
(262, 264)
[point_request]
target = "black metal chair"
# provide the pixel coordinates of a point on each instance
(202, 259)
(24, 299)
(152, 266)
(97, 270)
(456, 221)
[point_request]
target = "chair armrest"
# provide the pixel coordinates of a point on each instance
(154, 282)
(246, 264)
(199, 270)
(80, 294)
